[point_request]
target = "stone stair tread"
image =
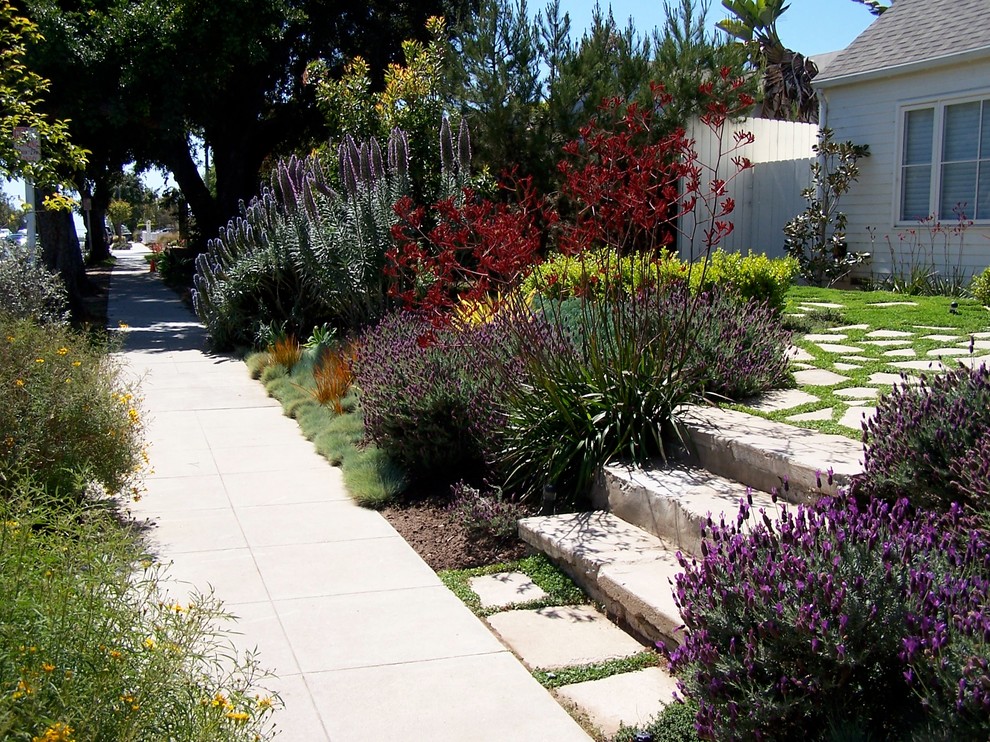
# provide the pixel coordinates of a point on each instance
(673, 502)
(616, 563)
(762, 453)
(632, 698)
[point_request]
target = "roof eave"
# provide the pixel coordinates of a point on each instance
(903, 69)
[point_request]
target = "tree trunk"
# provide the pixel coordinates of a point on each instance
(60, 252)
(197, 195)
(96, 234)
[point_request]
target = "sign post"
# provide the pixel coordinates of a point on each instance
(28, 145)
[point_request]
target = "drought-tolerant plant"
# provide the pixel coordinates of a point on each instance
(928, 259)
(426, 398)
(285, 351)
(333, 375)
(92, 650)
(817, 236)
(303, 254)
(603, 378)
(839, 620)
(66, 413)
(465, 246)
(923, 438)
(484, 511)
(28, 290)
(753, 276)
(980, 287)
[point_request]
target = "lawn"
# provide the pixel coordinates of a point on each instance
(870, 338)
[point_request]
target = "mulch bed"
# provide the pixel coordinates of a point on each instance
(444, 543)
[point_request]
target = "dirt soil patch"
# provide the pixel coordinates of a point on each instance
(444, 543)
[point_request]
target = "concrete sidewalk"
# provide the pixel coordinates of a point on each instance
(365, 641)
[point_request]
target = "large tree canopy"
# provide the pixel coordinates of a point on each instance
(150, 77)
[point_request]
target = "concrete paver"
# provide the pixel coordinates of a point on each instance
(366, 642)
(632, 698)
(505, 588)
(563, 636)
(819, 377)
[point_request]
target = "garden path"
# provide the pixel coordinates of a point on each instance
(899, 355)
(364, 640)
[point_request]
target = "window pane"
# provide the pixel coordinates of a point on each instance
(918, 128)
(916, 185)
(962, 132)
(985, 132)
(958, 187)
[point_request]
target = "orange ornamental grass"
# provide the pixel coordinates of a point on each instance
(334, 374)
(285, 351)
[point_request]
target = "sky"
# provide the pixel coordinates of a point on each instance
(808, 26)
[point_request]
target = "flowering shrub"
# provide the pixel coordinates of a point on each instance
(94, 649)
(427, 399)
(865, 621)
(65, 413)
(463, 248)
(303, 254)
(602, 378)
(925, 442)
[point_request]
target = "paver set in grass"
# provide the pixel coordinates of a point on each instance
(852, 346)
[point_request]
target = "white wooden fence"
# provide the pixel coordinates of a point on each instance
(767, 195)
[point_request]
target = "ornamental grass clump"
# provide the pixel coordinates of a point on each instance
(428, 401)
(66, 413)
(603, 379)
(837, 621)
(927, 441)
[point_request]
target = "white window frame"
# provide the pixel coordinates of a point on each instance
(935, 187)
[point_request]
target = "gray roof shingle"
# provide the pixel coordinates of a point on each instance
(913, 31)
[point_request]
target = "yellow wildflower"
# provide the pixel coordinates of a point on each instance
(114, 654)
(39, 360)
(77, 364)
(57, 732)
(19, 382)
(264, 702)
(134, 416)
(47, 666)
(123, 325)
(10, 338)
(69, 380)
(149, 643)
(9, 440)
(238, 716)
(63, 351)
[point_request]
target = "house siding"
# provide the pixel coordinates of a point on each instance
(868, 113)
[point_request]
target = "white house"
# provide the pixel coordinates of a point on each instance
(915, 87)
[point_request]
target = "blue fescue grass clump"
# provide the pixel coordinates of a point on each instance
(870, 621)
(929, 442)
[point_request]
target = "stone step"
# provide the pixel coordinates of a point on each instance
(623, 567)
(675, 502)
(764, 454)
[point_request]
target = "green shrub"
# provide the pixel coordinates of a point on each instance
(753, 276)
(674, 724)
(980, 287)
(28, 290)
(65, 411)
(926, 442)
(94, 651)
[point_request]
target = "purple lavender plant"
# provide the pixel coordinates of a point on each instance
(427, 398)
(927, 442)
(866, 621)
